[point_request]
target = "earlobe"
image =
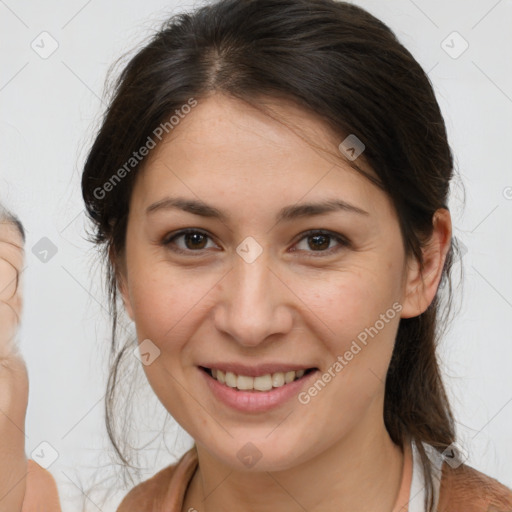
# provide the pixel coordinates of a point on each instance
(421, 285)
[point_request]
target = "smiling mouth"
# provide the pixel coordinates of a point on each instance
(265, 382)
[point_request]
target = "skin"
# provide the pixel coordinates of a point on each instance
(304, 306)
(24, 485)
(13, 371)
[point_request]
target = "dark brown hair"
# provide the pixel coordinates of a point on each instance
(333, 59)
(7, 216)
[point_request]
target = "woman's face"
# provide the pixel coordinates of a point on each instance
(250, 291)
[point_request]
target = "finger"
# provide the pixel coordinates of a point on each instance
(12, 256)
(9, 321)
(8, 280)
(11, 245)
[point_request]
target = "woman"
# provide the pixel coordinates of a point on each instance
(270, 188)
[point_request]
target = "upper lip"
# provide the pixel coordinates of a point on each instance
(256, 370)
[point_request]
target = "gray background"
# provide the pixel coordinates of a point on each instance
(49, 110)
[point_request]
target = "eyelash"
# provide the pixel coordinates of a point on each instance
(312, 232)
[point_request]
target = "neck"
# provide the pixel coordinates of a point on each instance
(362, 471)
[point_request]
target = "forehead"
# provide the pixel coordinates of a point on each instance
(228, 150)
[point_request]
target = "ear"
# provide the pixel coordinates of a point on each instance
(420, 287)
(120, 271)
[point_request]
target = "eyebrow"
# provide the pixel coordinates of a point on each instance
(285, 214)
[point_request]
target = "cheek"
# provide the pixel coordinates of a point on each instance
(167, 303)
(363, 319)
(359, 312)
(350, 301)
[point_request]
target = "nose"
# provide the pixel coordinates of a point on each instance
(254, 303)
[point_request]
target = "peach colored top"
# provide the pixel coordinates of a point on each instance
(463, 489)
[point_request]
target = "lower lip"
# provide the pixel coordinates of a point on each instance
(256, 401)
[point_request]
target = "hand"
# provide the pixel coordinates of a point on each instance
(11, 261)
(13, 371)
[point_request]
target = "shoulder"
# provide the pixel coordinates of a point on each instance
(165, 489)
(467, 489)
(41, 490)
(147, 495)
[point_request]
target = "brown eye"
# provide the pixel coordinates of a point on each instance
(193, 241)
(320, 242)
(316, 241)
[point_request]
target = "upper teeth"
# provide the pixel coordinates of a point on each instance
(262, 383)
